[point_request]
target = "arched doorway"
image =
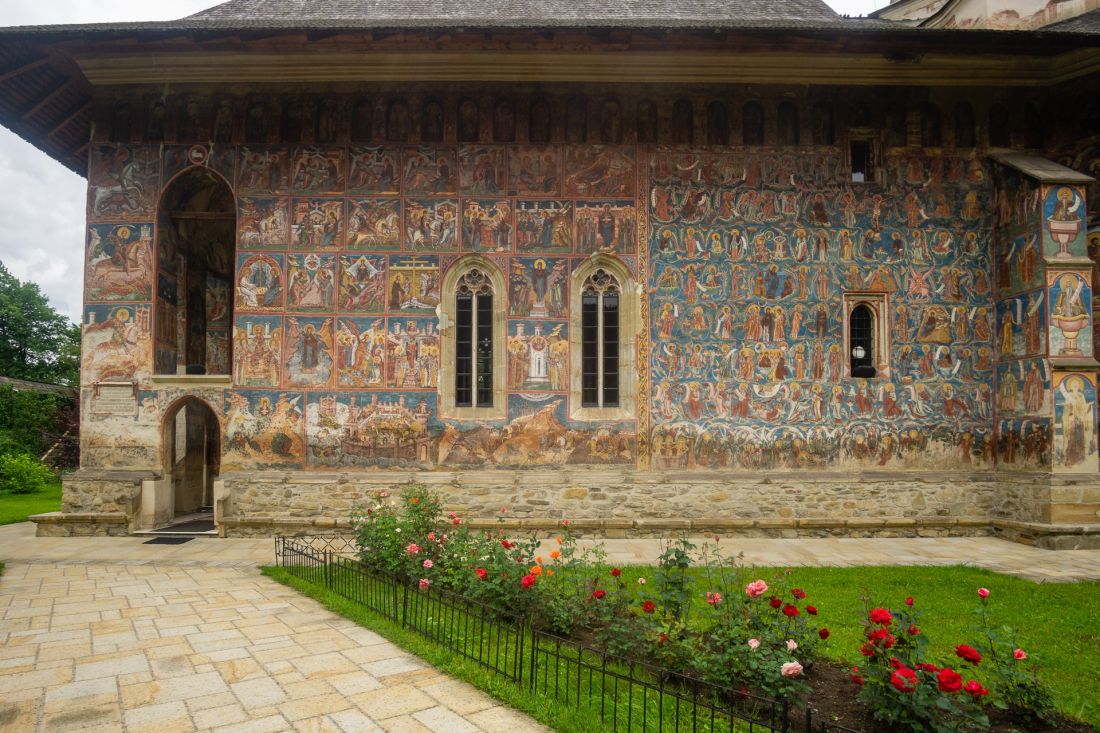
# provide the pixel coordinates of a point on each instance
(197, 221)
(192, 459)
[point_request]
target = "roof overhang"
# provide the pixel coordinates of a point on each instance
(48, 75)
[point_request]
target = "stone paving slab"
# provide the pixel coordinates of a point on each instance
(163, 648)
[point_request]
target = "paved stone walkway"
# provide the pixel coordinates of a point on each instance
(159, 649)
(109, 634)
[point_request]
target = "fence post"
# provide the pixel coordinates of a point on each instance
(328, 569)
(278, 554)
(785, 725)
(809, 719)
(404, 604)
(533, 675)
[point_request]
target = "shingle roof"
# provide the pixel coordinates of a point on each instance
(516, 13)
(1085, 23)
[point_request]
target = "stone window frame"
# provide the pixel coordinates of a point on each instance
(878, 304)
(448, 346)
(629, 322)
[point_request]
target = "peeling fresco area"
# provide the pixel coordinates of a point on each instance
(750, 255)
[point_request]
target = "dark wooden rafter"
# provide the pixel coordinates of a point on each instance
(50, 96)
(69, 119)
(24, 68)
(202, 215)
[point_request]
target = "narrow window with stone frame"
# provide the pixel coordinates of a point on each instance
(474, 340)
(600, 340)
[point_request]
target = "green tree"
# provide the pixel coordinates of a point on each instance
(36, 342)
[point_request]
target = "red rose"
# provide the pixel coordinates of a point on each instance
(949, 680)
(790, 611)
(775, 602)
(648, 606)
(930, 668)
(881, 616)
(482, 573)
(904, 680)
(913, 630)
(855, 677)
(598, 593)
(882, 635)
(812, 610)
(823, 633)
(662, 638)
(909, 601)
(867, 649)
(975, 689)
(615, 572)
(506, 544)
(968, 653)
(798, 593)
(529, 580)
(896, 663)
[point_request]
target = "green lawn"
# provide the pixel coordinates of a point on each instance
(17, 507)
(1056, 623)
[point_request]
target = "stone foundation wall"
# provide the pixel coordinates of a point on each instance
(103, 492)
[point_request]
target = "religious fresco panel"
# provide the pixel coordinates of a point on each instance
(544, 226)
(263, 223)
(749, 258)
(362, 283)
(374, 224)
(482, 170)
(116, 343)
(611, 226)
(412, 354)
(1064, 225)
(371, 429)
(119, 262)
(308, 352)
(317, 224)
(597, 171)
(1024, 444)
(1021, 325)
(360, 352)
(412, 284)
(220, 159)
(1023, 387)
(257, 350)
(1075, 448)
(311, 283)
(486, 225)
(317, 170)
(263, 429)
(1070, 300)
(375, 170)
(431, 225)
(534, 170)
(430, 171)
(263, 170)
(538, 287)
(122, 182)
(260, 279)
(538, 356)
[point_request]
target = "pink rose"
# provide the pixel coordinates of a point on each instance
(714, 598)
(428, 564)
(791, 645)
(983, 592)
(413, 548)
(754, 644)
(791, 669)
(756, 588)
(1019, 654)
(424, 583)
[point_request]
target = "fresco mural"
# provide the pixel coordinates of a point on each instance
(538, 356)
(482, 170)
(307, 360)
(374, 224)
(413, 284)
(538, 287)
(486, 226)
(430, 170)
(1064, 229)
(116, 343)
(257, 350)
(263, 429)
(317, 224)
(1021, 325)
(1075, 423)
(544, 226)
(431, 225)
(534, 170)
(122, 182)
(259, 282)
(119, 263)
(311, 283)
(363, 283)
(360, 352)
(609, 226)
(374, 170)
(1024, 444)
(263, 223)
(412, 354)
(375, 429)
(1070, 299)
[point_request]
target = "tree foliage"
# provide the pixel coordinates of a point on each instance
(36, 342)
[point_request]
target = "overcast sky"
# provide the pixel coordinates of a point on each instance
(42, 210)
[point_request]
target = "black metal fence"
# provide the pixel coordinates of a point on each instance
(626, 695)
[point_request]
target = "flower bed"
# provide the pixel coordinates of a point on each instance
(749, 635)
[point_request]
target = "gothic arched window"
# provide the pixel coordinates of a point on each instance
(474, 340)
(600, 296)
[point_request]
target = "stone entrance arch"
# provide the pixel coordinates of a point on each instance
(191, 455)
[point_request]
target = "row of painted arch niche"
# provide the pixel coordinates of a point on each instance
(574, 119)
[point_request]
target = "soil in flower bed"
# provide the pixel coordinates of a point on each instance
(833, 699)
